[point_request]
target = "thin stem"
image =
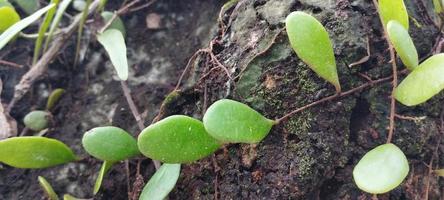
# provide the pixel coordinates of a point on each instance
(80, 31)
(135, 112)
(132, 105)
(7, 63)
(395, 78)
(333, 97)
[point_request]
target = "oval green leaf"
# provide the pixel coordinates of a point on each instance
(423, 83)
(176, 139)
(382, 169)
(234, 122)
(9, 17)
(106, 166)
(9, 34)
(312, 44)
(110, 143)
(403, 44)
(116, 24)
(34, 152)
(393, 10)
(54, 97)
(47, 188)
(114, 43)
(37, 120)
(162, 182)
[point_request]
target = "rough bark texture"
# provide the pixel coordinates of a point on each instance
(311, 156)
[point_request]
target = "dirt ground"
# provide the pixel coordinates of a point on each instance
(311, 156)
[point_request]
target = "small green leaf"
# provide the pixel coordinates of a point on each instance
(162, 182)
(70, 197)
(55, 23)
(9, 17)
(403, 44)
(37, 120)
(54, 97)
(9, 34)
(176, 139)
(312, 44)
(114, 43)
(116, 24)
(382, 169)
(393, 10)
(234, 122)
(47, 188)
(423, 83)
(34, 152)
(438, 6)
(439, 172)
(106, 166)
(110, 143)
(29, 6)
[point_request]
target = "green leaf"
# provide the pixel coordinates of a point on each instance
(116, 24)
(29, 6)
(439, 172)
(55, 23)
(234, 122)
(437, 5)
(162, 182)
(423, 83)
(176, 139)
(110, 143)
(9, 17)
(54, 97)
(37, 120)
(34, 152)
(403, 44)
(69, 197)
(9, 34)
(114, 44)
(106, 166)
(382, 169)
(312, 44)
(42, 30)
(393, 10)
(47, 188)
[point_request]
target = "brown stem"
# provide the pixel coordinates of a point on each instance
(135, 112)
(332, 97)
(395, 78)
(7, 63)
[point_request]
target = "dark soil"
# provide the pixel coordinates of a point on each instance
(309, 157)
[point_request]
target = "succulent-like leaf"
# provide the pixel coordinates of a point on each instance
(423, 83)
(161, 183)
(9, 17)
(9, 34)
(106, 166)
(312, 44)
(34, 152)
(403, 44)
(47, 188)
(54, 97)
(116, 24)
(176, 139)
(382, 169)
(393, 10)
(114, 43)
(110, 143)
(439, 172)
(234, 122)
(37, 120)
